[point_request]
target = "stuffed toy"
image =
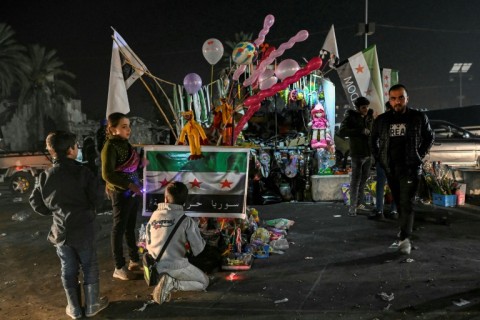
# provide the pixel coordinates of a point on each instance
(321, 137)
(222, 121)
(195, 134)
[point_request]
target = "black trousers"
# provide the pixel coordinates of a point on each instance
(125, 209)
(403, 183)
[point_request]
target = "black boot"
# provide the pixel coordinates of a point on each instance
(376, 215)
(93, 303)
(74, 308)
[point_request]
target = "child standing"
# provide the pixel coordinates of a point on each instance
(175, 270)
(120, 162)
(68, 192)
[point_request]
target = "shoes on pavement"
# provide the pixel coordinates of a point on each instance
(392, 215)
(134, 266)
(162, 292)
(123, 274)
(362, 207)
(376, 215)
(352, 211)
(404, 246)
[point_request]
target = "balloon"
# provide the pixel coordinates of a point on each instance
(286, 68)
(243, 53)
(267, 23)
(212, 50)
(240, 70)
(192, 83)
(267, 79)
(254, 102)
(302, 35)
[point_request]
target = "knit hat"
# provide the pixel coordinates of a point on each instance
(361, 101)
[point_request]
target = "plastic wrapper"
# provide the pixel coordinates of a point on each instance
(21, 216)
(280, 223)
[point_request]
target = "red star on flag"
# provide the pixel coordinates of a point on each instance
(386, 77)
(226, 184)
(368, 92)
(164, 182)
(359, 68)
(195, 183)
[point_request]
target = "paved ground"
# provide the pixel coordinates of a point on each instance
(335, 268)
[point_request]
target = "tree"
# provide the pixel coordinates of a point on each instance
(42, 84)
(11, 55)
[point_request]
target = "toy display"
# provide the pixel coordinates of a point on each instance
(195, 134)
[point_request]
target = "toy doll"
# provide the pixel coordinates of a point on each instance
(196, 135)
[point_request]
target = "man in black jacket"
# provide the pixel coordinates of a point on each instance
(400, 141)
(357, 125)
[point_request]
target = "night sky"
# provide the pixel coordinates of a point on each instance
(422, 39)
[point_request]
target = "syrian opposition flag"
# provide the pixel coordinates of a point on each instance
(360, 76)
(125, 68)
(389, 78)
(217, 183)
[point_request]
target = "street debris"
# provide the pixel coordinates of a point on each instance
(308, 258)
(337, 216)
(394, 245)
(35, 235)
(105, 213)
(4, 234)
(21, 216)
(17, 199)
(385, 296)
(387, 307)
(408, 260)
(461, 302)
(141, 309)
(281, 301)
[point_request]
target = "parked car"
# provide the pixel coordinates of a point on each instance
(453, 145)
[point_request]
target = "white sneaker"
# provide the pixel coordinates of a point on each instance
(123, 274)
(162, 292)
(404, 246)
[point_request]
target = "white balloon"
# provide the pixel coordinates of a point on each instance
(212, 50)
(267, 83)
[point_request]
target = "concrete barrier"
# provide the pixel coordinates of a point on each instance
(328, 187)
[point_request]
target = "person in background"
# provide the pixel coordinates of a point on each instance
(378, 213)
(101, 135)
(400, 141)
(356, 126)
(68, 193)
(176, 272)
(120, 162)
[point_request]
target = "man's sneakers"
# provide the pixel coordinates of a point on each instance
(376, 215)
(404, 246)
(123, 274)
(162, 292)
(392, 215)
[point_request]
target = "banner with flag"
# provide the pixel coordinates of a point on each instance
(217, 183)
(125, 68)
(360, 76)
(389, 78)
(329, 51)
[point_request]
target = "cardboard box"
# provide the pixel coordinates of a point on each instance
(443, 200)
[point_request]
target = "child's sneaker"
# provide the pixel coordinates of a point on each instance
(161, 293)
(123, 274)
(134, 266)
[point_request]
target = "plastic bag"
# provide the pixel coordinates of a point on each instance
(21, 216)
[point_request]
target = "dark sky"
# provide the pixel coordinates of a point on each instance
(422, 39)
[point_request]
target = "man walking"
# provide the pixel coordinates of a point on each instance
(400, 141)
(357, 125)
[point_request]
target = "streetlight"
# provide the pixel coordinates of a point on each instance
(460, 68)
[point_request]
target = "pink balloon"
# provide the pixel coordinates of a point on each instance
(286, 68)
(300, 36)
(267, 83)
(240, 70)
(267, 23)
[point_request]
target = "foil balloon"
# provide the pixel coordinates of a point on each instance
(192, 83)
(212, 50)
(243, 53)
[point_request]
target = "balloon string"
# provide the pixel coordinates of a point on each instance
(211, 87)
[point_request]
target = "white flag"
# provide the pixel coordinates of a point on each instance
(118, 84)
(329, 50)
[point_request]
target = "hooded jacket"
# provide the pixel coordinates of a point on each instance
(160, 226)
(419, 135)
(67, 192)
(353, 127)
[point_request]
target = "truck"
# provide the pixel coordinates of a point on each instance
(20, 169)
